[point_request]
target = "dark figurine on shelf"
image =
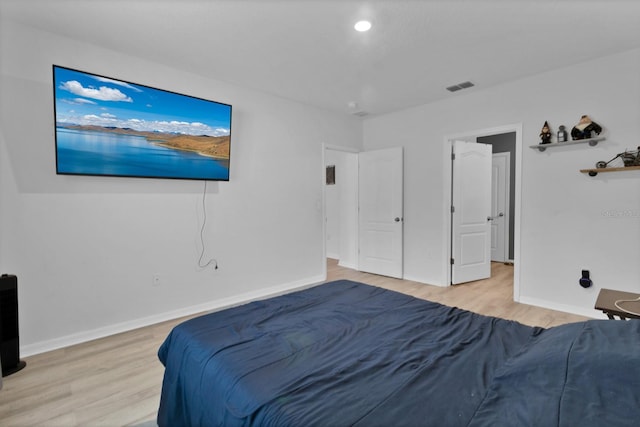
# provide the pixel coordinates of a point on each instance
(584, 128)
(545, 134)
(562, 134)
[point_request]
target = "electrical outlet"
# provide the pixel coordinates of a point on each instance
(156, 280)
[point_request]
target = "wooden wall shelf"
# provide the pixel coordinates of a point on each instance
(594, 172)
(591, 141)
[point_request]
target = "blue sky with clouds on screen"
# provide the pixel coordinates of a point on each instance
(87, 99)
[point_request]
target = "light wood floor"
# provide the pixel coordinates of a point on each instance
(115, 381)
(492, 297)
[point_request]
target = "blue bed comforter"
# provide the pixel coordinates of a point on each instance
(345, 353)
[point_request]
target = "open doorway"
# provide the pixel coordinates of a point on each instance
(503, 194)
(341, 205)
(363, 209)
(515, 135)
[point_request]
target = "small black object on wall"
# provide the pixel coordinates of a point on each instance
(585, 281)
(331, 175)
(9, 334)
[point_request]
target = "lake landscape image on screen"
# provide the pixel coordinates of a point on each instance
(117, 128)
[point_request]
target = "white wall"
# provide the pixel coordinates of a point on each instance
(570, 221)
(85, 248)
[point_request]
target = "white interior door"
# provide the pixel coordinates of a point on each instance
(471, 212)
(500, 207)
(380, 177)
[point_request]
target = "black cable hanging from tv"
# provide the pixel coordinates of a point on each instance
(212, 261)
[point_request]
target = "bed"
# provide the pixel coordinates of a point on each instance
(345, 353)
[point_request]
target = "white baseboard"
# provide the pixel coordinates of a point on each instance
(347, 265)
(81, 337)
(580, 311)
(424, 281)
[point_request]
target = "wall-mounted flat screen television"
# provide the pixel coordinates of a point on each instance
(110, 127)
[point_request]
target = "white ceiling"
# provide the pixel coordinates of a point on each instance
(308, 51)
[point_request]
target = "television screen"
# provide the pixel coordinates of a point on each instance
(112, 127)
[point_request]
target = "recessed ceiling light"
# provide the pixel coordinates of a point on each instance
(362, 26)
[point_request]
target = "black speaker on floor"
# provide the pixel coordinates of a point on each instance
(9, 336)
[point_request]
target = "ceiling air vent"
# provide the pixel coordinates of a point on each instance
(463, 85)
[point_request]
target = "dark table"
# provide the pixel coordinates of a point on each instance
(607, 299)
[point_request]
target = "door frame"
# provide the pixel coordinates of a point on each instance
(472, 136)
(507, 196)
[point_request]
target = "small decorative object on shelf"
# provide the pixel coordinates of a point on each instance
(545, 134)
(630, 160)
(584, 128)
(562, 134)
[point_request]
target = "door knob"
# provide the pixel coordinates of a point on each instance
(396, 219)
